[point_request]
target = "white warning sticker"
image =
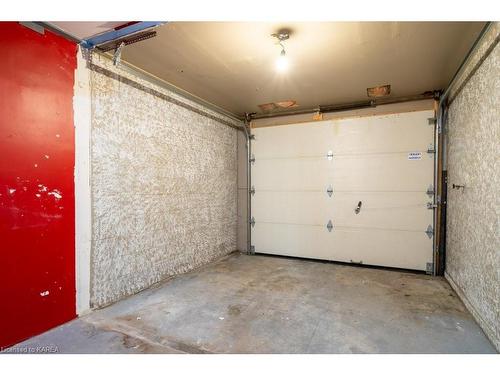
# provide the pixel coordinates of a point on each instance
(414, 155)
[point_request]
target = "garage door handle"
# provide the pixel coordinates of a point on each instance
(358, 208)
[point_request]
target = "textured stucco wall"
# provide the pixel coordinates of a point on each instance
(473, 244)
(164, 185)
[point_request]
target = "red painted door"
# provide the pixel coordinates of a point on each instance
(37, 204)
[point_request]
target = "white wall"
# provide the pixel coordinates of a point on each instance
(82, 115)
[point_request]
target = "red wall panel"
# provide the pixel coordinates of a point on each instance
(37, 204)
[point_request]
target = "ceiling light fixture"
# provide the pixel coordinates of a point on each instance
(282, 63)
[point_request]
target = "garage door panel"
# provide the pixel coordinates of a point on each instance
(406, 211)
(391, 133)
(293, 240)
(293, 207)
(400, 249)
(295, 174)
(362, 173)
(393, 210)
(389, 172)
(401, 133)
(302, 140)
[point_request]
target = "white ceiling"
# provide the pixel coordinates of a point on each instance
(232, 65)
(83, 30)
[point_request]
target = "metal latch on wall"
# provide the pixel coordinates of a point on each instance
(329, 226)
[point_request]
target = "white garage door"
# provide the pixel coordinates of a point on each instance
(352, 190)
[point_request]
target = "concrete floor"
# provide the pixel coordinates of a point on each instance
(259, 304)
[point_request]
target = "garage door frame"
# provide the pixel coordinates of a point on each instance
(435, 197)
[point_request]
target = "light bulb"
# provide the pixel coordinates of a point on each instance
(282, 62)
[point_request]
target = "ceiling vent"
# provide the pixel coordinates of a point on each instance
(378, 91)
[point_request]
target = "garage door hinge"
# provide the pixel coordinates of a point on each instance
(429, 268)
(252, 190)
(252, 221)
(430, 191)
(429, 231)
(329, 226)
(252, 136)
(252, 159)
(431, 149)
(432, 120)
(431, 206)
(329, 191)
(329, 155)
